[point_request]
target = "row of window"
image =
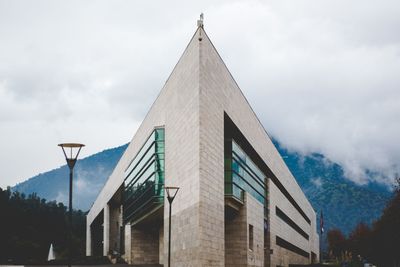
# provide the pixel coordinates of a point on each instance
(233, 132)
(143, 185)
(242, 174)
(290, 222)
(289, 246)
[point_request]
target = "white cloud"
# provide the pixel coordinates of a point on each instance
(322, 76)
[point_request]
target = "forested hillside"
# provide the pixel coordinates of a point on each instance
(344, 203)
(29, 224)
(90, 175)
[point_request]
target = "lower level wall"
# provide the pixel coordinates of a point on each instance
(145, 245)
(185, 243)
(161, 246)
(236, 238)
(255, 218)
(243, 248)
(284, 257)
(149, 244)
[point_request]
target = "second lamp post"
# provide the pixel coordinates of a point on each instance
(171, 193)
(71, 157)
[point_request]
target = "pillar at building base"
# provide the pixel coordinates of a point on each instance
(88, 241)
(244, 235)
(106, 230)
(114, 226)
(161, 246)
(127, 255)
(236, 238)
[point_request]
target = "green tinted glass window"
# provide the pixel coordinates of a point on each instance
(144, 182)
(242, 174)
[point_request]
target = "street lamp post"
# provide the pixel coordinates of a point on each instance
(171, 193)
(71, 159)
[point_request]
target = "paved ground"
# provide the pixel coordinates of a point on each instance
(99, 265)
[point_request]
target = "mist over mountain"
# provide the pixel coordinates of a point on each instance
(343, 202)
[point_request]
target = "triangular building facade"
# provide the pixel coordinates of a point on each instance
(237, 204)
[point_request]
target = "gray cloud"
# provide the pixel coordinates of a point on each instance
(322, 76)
(326, 80)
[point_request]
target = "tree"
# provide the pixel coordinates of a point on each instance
(379, 244)
(30, 224)
(360, 241)
(386, 233)
(336, 242)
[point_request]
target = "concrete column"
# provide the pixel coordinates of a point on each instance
(106, 230)
(128, 247)
(161, 245)
(114, 225)
(255, 217)
(236, 237)
(88, 239)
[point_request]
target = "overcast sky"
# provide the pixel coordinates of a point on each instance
(323, 76)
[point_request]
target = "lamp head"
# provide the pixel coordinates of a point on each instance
(171, 192)
(74, 150)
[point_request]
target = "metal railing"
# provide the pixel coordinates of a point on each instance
(234, 190)
(142, 198)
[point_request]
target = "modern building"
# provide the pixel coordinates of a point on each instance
(238, 203)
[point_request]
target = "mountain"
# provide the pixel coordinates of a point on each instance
(343, 202)
(90, 174)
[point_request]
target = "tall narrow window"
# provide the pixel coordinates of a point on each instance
(251, 237)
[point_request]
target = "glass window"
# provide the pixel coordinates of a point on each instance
(143, 185)
(242, 174)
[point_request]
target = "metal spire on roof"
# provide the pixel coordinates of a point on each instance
(200, 21)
